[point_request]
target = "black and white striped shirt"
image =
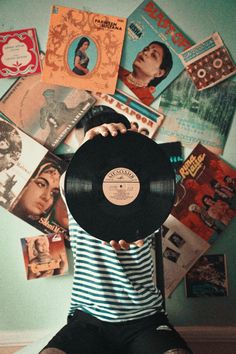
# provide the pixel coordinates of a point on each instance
(109, 284)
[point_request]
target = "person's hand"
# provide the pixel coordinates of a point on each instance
(123, 245)
(107, 129)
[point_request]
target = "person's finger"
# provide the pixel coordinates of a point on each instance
(115, 245)
(139, 243)
(105, 130)
(115, 128)
(124, 245)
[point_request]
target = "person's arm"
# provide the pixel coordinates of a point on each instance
(78, 66)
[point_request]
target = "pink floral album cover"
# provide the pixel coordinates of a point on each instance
(19, 53)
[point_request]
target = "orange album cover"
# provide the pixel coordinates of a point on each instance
(83, 49)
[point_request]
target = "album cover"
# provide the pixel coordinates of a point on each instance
(146, 119)
(208, 277)
(181, 248)
(208, 62)
(193, 116)
(150, 61)
(83, 49)
(19, 53)
(45, 112)
(175, 153)
(44, 255)
(205, 194)
(29, 180)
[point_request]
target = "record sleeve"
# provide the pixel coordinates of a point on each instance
(126, 192)
(83, 49)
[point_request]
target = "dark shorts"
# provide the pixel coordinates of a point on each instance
(85, 334)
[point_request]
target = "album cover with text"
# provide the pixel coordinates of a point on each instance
(83, 49)
(193, 116)
(205, 194)
(44, 255)
(208, 62)
(208, 277)
(19, 53)
(146, 119)
(45, 112)
(29, 180)
(150, 59)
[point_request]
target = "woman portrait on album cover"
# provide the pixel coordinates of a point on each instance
(151, 65)
(81, 58)
(40, 194)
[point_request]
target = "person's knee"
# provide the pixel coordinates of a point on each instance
(178, 351)
(52, 351)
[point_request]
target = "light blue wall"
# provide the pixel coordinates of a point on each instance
(42, 304)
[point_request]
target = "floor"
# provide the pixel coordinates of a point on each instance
(9, 350)
(198, 348)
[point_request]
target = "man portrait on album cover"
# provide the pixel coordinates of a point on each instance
(54, 114)
(115, 305)
(151, 65)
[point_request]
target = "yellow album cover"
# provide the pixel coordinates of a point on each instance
(83, 49)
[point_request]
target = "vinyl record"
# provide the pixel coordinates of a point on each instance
(120, 187)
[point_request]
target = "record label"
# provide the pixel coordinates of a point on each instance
(121, 186)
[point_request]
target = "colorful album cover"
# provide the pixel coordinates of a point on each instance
(208, 62)
(205, 194)
(150, 59)
(208, 277)
(29, 180)
(19, 53)
(44, 255)
(45, 112)
(193, 116)
(146, 119)
(181, 248)
(83, 49)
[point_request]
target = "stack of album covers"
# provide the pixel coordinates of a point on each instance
(205, 205)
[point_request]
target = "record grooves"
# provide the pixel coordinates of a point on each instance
(120, 187)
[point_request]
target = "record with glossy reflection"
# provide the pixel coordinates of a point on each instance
(120, 187)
